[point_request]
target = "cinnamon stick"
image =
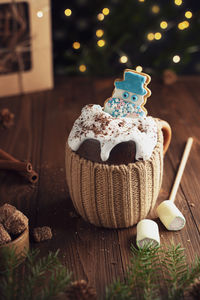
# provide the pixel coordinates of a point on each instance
(31, 176)
(18, 166)
(7, 156)
(9, 162)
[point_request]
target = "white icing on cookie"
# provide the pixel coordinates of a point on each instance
(94, 123)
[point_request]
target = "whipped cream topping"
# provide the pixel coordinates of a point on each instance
(95, 123)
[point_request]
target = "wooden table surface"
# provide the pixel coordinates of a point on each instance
(42, 123)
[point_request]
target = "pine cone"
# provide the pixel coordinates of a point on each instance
(79, 290)
(194, 291)
(169, 77)
(6, 118)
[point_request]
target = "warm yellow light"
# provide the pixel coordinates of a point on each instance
(141, 0)
(68, 12)
(100, 17)
(76, 45)
(183, 25)
(82, 68)
(188, 14)
(39, 14)
(99, 33)
(178, 2)
(101, 43)
(176, 59)
(139, 69)
(123, 59)
(106, 11)
(158, 35)
(150, 36)
(155, 9)
(186, 24)
(163, 24)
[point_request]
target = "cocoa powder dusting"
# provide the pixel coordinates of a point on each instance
(121, 124)
(101, 124)
(140, 128)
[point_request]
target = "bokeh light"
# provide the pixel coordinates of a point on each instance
(76, 45)
(106, 11)
(157, 35)
(183, 25)
(99, 33)
(188, 14)
(100, 17)
(101, 43)
(178, 2)
(82, 68)
(176, 59)
(163, 24)
(155, 9)
(68, 12)
(39, 14)
(139, 68)
(150, 36)
(123, 59)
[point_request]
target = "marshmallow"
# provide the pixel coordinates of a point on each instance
(170, 215)
(147, 232)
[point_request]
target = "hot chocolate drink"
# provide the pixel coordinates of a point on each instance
(114, 156)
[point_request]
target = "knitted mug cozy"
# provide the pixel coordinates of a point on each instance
(115, 196)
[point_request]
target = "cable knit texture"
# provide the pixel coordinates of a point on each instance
(115, 196)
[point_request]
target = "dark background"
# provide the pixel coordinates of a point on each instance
(125, 33)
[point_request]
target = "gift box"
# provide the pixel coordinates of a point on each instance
(25, 47)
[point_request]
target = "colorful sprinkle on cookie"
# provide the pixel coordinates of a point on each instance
(129, 96)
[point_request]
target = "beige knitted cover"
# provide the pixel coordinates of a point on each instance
(114, 196)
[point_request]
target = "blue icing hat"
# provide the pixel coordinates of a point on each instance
(133, 82)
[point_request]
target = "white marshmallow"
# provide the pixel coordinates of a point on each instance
(147, 232)
(170, 215)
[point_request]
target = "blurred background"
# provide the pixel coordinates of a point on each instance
(40, 39)
(102, 38)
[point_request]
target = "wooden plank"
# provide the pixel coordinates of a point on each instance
(42, 123)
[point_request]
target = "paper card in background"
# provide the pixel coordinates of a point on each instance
(25, 47)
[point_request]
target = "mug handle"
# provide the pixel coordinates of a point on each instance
(167, 134)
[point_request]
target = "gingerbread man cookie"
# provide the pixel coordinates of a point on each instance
(129, 96)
